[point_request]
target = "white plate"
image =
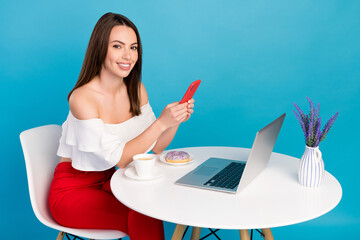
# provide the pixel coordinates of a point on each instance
(162, 158)
(130, 172)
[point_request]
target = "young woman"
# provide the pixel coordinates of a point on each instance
(110, 120)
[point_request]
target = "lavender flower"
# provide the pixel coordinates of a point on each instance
(310, 137)
(303, 117)
(318, 132)
(311, 124)
(328, 126)
(300, 121)
(317, 113)
(311, 107)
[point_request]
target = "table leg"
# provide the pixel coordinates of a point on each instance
(267, 233)
(195, 235)
(244, 234)
(178, 233)
(60, 236)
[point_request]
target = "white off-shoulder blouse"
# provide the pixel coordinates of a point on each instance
(96, 146)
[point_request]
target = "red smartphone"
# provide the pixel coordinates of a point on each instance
(190, 91)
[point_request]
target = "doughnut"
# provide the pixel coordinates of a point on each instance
(177, 157)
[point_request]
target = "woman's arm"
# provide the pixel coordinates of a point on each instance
(163, 129)
(167, 136)
(172, 115)
(165, 139)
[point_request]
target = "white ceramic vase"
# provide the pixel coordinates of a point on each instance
(311, 170)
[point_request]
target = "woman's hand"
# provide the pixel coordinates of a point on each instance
(169, 120)
(174, 114)
(190, 109)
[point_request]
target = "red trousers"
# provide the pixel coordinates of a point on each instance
(79, 199)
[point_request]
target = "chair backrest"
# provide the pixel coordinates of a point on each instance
(39, 147)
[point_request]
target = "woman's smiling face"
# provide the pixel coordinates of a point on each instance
(122, 53)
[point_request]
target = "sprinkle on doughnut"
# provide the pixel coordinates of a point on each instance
(177, 157)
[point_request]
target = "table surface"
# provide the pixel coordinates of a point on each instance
(274, 198)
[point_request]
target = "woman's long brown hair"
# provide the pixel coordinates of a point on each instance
(96, 53)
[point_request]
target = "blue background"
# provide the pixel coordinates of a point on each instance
(255, 59)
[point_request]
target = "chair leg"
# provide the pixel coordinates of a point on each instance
(268, 234)
(60, 236)
(179, 232)
(195, 234)
(244, 234)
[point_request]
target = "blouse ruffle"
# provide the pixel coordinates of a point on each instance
(94, 146)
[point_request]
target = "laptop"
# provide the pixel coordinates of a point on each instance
(231, 176)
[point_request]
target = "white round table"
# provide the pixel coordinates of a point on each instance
(274, 198)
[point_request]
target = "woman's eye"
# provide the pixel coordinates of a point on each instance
(134, 48)
(117, 46)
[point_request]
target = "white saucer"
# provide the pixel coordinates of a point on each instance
(130, 172)
(162, 158)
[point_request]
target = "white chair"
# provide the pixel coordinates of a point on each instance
(39, 146)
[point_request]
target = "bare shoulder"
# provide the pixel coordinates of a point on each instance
(83, 104)
(144, 98)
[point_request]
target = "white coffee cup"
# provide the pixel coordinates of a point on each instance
(144, 164)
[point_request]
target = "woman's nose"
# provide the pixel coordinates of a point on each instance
(126, 55)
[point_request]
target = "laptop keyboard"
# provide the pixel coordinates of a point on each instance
(229, 177)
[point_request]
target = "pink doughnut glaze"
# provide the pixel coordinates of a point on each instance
(177, 155)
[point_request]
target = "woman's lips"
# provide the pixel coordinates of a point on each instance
(124, 66)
